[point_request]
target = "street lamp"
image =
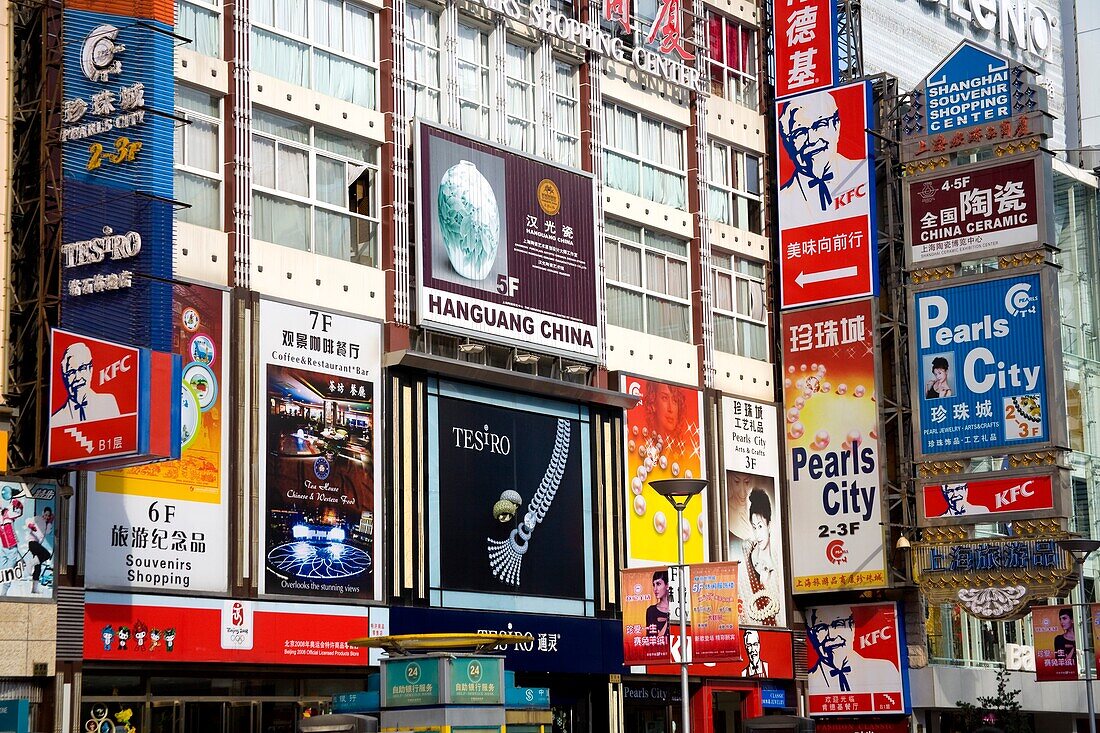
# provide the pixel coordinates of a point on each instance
(679, 491)
(1080, 549)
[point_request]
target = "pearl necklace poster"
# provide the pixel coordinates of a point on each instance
(831, 426)
(663, 440)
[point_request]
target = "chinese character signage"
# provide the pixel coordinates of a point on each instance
(753, 510)
(982, 381)
(855, 661)
(508, 246)
(164, 629)
(826, 196)
(647, 618)
(411, 682)
(979, 211)
(162, 526)
(28, 517)
(1055, 634)
(663, 440)
(806, 55)
(714, 611)
(320, 374)
(513, 504)
(832, 445)
(765, 654)
(475, 681)
(993, 497)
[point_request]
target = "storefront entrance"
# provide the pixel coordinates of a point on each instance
(727, 711)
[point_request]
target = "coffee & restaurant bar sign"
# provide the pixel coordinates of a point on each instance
(542, 18)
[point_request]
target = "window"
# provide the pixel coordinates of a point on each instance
(200, 20)
(733, 187)
(645, 157)
(519, 68)
(647, 282)
(198, 170)
(314, 189)
(422, 89)
(733, 63)
(565, 143)
(326, 45)
(473, 80)
(740, 306)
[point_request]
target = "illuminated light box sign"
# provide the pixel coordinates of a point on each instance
(834, 458)
(1054, 631)
(994, 497)
(766, 654)
(118, 91)
(973, 98)
(167, 629)
(827, 234)
(806, 56)
(509, 246)
(116, 261)
(855, 664)
(983, 210)
(980, 352)
(102, 411)
(27, 539)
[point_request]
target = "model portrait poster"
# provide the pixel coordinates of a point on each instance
(28, 517)
(647, 624)
(663, 441)
(163, 526)
(855, 660)
(320, 375)
(832, 445)
(512, 493)
(754, 510)
(1056, 644)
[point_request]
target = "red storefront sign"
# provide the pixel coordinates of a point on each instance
(139, 628)
(969, 498)
(805, 46)
(899, 725)
(773, 659)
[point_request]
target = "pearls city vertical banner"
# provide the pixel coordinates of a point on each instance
(831, 430)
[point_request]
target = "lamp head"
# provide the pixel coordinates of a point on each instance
(1079, 547)
(679, 491)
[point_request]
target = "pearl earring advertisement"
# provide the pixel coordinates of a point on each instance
(830, 403)
(663, 442)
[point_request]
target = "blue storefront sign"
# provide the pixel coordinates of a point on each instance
(981, 362)
(773, 697)
(971, 87)
(14, 716)
(555, 643)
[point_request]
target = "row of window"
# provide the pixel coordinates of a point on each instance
(331, 46)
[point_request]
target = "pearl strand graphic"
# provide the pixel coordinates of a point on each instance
(506, 556)
(811, 383)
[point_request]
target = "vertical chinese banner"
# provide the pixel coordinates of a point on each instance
(663, 442)
(163, 525)
(714, 629)
(806, 55)
(1055, 643)
(647, 621)
(832, 443)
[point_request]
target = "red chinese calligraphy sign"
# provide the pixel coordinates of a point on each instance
(805, 46)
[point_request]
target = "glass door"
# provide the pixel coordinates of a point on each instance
(727, 711)
(242, 717)
(165, 717)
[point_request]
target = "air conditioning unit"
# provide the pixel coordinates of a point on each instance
(1090, 158)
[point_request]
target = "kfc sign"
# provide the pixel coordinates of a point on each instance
(855, 662)
(805, 46)
(826, 196)
(94, 399)
(990, 497)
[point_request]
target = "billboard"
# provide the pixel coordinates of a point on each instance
(163, 526)
(508, 246)
(806, 56)
(765, 654)
(647, 616)
(855, 660)
(980, 351)
(832, 442)
(28, 515)
(827, 232)
(993, 497)
(1055, 635)
(169, 629)
(982, 210)
(319, 375)
(663, 440)
(754, 509)
(512, 516)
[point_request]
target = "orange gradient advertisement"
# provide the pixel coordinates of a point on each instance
(831, 431)
(662, 442)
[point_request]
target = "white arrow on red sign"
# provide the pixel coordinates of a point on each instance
(808, 278)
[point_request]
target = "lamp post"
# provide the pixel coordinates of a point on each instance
(1080, 549)
(679, 491)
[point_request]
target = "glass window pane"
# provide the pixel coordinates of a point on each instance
(752, 174)
(263, 162)
(280, 221)
(359, 34)
(281, 57)
(280, 126)
(196, 101)
(292, 170)
(204, 196)
(357, 150)
(290, 16)
(655, 273)
(630, 265)
(332, 234)
(332, 186)
(667, 244)
(202, 146)
(723, 291)
(625, 308)
(328, 20)
(677, 278)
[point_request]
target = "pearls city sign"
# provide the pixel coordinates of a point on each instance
(1019, 22)
(599, 41)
